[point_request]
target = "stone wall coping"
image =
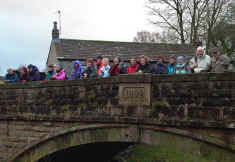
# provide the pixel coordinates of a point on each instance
(133, 78)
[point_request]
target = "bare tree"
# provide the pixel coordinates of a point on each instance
(169, 14)
(146, 36)
(216, 12)
(188, 18)
(156, 37)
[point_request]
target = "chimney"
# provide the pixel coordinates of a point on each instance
(55, 32)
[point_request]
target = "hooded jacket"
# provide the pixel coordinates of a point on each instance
(60, 75)
(12, 78)
(34, 75)
(77, 73)
(203, 63)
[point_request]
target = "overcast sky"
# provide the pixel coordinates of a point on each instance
(26, 25)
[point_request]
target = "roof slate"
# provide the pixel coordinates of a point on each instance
(83, 49)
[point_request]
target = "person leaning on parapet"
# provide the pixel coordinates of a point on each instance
(118, 67)
(104, 72)
(11, 76)
(33, 73)
(59, 73)
(77, 71)
(50, 72)
(222, 64)
(181, 66)
(214, 54)
(144, 65)
(115, 69)
(98, 64)
(201, 62)
(171, 65)
(160, 67)
(23, 74)
(90, 71)
(133, 66)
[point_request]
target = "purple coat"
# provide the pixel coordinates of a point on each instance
(34, 75)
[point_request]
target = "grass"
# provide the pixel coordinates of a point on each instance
(144, 153)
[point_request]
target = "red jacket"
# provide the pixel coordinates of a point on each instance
(131, 69)
(115, 70)
(98, 68)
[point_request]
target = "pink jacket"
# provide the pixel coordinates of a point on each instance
(60, 76)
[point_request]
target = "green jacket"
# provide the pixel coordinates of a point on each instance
(49, 75)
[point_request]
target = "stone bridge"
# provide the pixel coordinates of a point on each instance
(191, 113)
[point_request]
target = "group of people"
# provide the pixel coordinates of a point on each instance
(101, 67)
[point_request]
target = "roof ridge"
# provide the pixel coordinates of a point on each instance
(107, 41)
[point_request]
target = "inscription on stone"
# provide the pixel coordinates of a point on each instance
(134, 94)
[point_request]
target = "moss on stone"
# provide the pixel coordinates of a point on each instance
(91, 95)
(65, 107)
(156, 104)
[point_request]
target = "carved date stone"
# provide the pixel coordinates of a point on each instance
(134, 94)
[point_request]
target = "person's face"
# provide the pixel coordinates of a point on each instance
(142, 61)
(99, 61)
(133, 61)
(105, 62)
(172, 61)
(200, 53)
(215, 54)
(76, 66)
(159, 60)
(180, 61)
(116, 61)
(10, 71)
(89, 64)
(30, 69)
(57, 68)
(22, 71)
(50, 68)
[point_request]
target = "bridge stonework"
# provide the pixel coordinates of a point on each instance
(192, 113)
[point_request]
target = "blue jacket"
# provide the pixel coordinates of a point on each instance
(12, 78)
(171, 69)
(104, 73)
(77, 73)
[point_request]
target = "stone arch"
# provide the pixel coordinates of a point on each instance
(80, 135)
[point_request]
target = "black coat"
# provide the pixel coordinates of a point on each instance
(147, 68)
(91, 72)
(160, 68)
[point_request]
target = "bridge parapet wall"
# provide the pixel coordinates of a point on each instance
(168, 100)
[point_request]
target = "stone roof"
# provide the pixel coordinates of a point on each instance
(83, 49)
